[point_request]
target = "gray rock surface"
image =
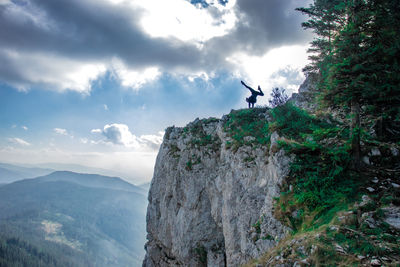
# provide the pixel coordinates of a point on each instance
(304, 97)
(210, 205)
(392, 216)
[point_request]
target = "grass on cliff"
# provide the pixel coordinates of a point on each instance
(318, 200)
(250, 123)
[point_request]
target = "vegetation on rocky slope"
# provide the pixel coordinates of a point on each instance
(342, 195)
(339, 216)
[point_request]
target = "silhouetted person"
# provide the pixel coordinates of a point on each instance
(253, 98)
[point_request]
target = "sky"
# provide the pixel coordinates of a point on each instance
(96, 82)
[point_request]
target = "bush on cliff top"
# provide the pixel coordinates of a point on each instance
(247, 122)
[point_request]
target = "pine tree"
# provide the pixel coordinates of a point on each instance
(326, 19)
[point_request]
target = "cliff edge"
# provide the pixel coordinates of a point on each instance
(211, 197)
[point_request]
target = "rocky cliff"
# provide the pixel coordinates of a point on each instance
(216, 200)
(211, 197)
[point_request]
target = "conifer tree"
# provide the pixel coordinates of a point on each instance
(326, 19)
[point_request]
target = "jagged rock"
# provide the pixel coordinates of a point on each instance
(314, 249)
(305, 261)
(370, 189)
(374, 152)
(207, 206)
(334, 228)
(365, 159)
(375, 262)
(367, 218)
(395, 185)
(365, 200)
(304, 97)
(395, 151)
(339, 249)
(392, 216)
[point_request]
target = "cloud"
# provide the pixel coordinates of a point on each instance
(96, 131)
(60, 131)
(19, 141)
(24, 127)
(68, 44)
(119, 134)
(280, 67)
(105, 107)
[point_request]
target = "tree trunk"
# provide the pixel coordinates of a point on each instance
(355, 133)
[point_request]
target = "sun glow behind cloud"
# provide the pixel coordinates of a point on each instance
(184, 21)
(269, 69)
(133, 78)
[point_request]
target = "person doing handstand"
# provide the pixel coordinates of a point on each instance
(253, 98)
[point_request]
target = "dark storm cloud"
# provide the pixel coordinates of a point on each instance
(265, 24)
(97, 31)
(89, 30)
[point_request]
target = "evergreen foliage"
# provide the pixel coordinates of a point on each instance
(357, 60)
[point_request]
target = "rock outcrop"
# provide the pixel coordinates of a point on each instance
(306, 94)
(211, 204)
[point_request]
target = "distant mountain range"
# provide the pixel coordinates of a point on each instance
(11, 173)
(70, 219)
(14, 172)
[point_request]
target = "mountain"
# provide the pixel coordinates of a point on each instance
(72, 219)
(86, 169)
(92, 180)
(11, 173)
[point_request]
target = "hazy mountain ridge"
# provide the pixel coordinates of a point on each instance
(10, 173)
(92, 180)
(98, 219)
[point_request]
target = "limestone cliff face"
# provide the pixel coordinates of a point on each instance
(211, 204)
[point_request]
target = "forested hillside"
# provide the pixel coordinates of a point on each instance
(71, 219)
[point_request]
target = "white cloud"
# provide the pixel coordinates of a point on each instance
(69, 50)
(19, 141)
(280, 67)
(119, 134)
(60, 131)
(96, 131)
(24, 127)
(153, 141)
(52, 72)
(187, 22)
(133, 78)
(105, 107)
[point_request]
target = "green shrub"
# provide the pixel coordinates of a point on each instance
(247, 122)
(320, 172)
